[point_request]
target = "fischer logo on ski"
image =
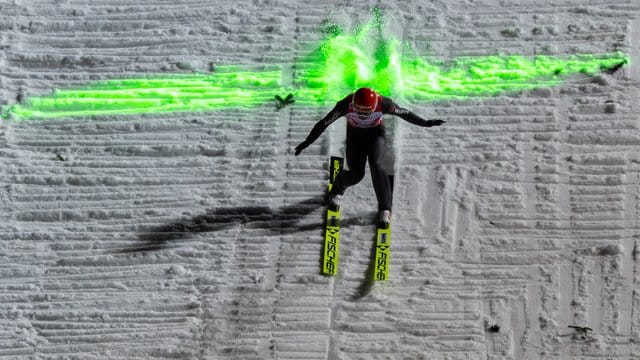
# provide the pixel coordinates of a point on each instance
(332, 227)
(383, 243)
(332, 238)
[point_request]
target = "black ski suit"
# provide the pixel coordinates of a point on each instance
(365, 140)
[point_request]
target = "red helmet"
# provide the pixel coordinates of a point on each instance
(364, 100)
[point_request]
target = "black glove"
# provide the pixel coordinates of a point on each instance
(303, 145)
(431, 123)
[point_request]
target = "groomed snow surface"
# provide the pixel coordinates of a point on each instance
(199, 235)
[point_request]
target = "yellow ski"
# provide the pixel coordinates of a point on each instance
(383, 245)
(332, 226)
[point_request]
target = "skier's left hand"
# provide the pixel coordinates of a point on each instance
(431, 123)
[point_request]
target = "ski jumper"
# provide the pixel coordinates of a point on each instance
(366, 140)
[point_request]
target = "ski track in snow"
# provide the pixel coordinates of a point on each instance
(198, 236)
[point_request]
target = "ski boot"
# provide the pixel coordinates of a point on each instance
(384, 219)
(333, 201)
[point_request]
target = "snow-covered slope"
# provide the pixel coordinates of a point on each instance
(198, 235)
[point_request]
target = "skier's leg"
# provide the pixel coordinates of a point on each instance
(381, 183)
(356, 160)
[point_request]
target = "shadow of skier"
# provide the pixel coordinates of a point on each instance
(367, 284)
(278, 221)
(285, 220)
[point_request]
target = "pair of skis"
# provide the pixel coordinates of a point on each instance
(332, 236)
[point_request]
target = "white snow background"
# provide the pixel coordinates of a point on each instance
(198, 235)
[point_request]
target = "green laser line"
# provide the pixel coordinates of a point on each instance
(343, 62)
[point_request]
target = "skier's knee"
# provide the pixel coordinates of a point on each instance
(378, 170)
(358, 176)
(355, 177)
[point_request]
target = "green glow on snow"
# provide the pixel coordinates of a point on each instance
(493, 75)
(228, 87)
(343, 62)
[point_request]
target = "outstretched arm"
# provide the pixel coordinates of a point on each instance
(415, 119)
(338, 111)
(390, 107)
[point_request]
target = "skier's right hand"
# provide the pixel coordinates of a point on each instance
(436, 122)
(303, 145)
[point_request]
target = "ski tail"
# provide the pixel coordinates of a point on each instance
(332, 225)
(334, 169)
